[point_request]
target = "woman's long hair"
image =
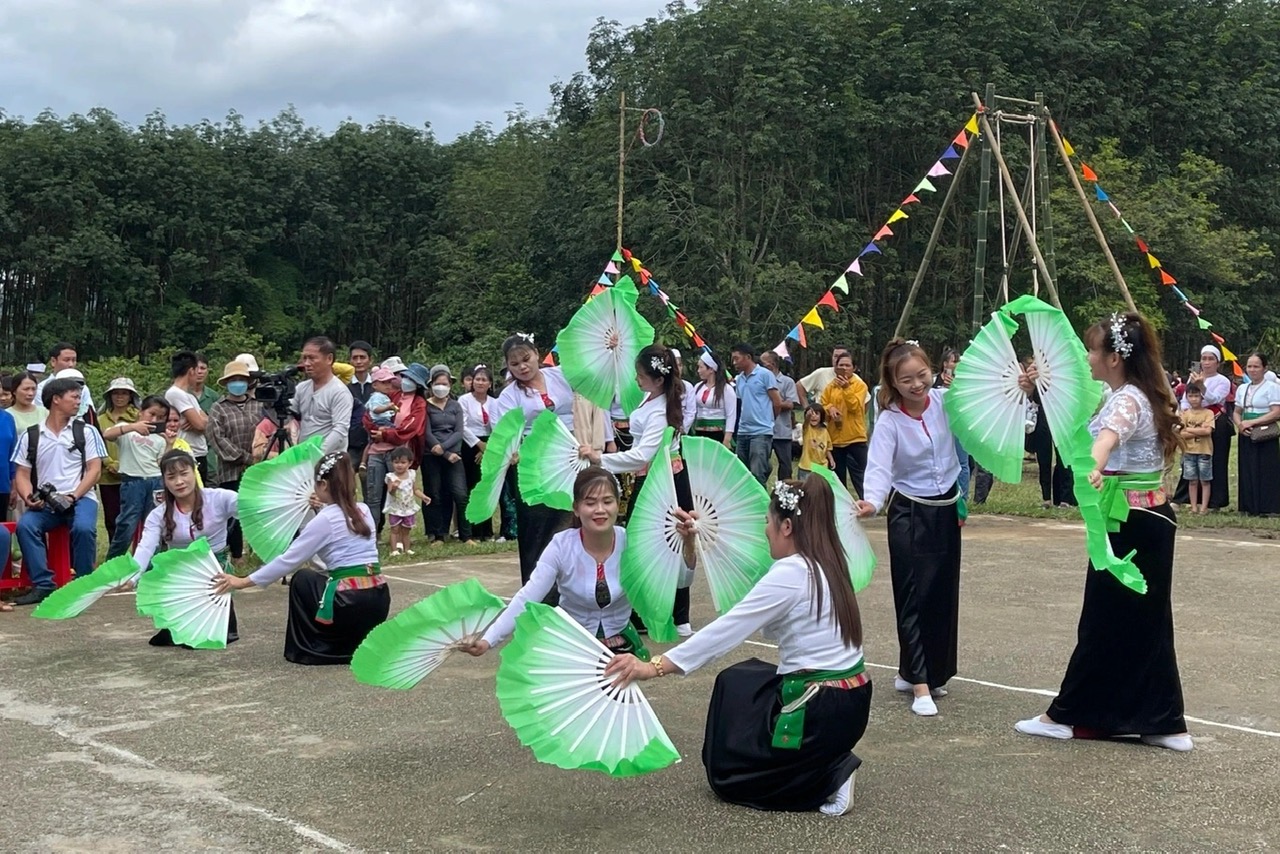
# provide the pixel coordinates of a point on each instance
(718, 381)
(813, 530)
(335, 470)
(1142, 367)
(659, 363)
(895, 353)
(173, 461)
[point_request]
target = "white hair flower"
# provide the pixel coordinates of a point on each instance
(659, 365)
(1119, 340)
(788, 496)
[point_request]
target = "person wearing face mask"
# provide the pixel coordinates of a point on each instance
(445, 476)
(233, 421)
(408, 427)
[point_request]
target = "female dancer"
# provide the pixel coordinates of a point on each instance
(1123, 676)
(781, 737)
(534, 388)
(1217, 390)
(717, 405)
(330, 612)
(583, 562)
(476, 405)
(913, 466)
(1259, 462)
(188, 513)
(663, 407)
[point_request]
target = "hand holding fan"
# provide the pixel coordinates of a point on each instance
(857, 548)
(985, 406)
(177, 594)
(553, 692)
(594, 365)
(400, 652)
(549, 463)
(275, 495)
(499, 449)
(72, 599)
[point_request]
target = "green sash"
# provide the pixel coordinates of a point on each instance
(1115, 504)
(788, 732)
(325, 613)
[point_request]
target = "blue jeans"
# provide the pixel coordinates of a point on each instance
(137, 498)
(754, 452)
(375, 485)
(34, 524)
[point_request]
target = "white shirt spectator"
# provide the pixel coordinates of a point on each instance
(57, 460)
(183, 401)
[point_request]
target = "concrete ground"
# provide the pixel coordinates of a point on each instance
(110, 745)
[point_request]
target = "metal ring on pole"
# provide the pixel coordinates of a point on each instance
(645, 117)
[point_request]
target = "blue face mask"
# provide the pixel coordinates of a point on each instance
(408, 386)
(237, 388)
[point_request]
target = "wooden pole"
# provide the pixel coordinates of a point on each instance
(1014, 245)
(933, 242)
(622, 159)
(980, 248)
(1042, 189)
(1088, 212)
(1007, 177)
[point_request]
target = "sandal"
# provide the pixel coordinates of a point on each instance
(6, 606)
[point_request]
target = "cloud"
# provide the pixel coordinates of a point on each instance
(451, 63)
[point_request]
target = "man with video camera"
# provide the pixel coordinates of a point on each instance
(322, 401)
(58, 462)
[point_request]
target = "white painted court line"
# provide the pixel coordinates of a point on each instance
(1042, 692)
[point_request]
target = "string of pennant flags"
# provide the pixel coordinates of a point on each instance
(1153, 263)
(938, 170)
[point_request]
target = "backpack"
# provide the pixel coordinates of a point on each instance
(33, 443)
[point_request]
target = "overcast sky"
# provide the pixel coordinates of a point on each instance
(452, 63)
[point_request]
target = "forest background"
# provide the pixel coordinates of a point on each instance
(793, 128)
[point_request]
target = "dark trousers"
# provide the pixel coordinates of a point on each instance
(851, 460)
(110, 495)
(782, 450)
(446, 483)
(235, 534)
(471, 468)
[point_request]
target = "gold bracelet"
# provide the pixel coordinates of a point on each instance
(657, 665)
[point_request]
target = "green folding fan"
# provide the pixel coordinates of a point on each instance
(857, 548)
(985, 407)
(594, 369)
(72, 599)
(549, 463)
(275, 496)
(177, 594)
(501, 446)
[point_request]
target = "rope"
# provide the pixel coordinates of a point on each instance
(1004, 244)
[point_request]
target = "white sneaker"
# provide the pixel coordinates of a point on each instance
(842, 801)
(903, 686)
(684, 630)
(1035, 726)
(500, 539)
(1180, 743)
(924, 706)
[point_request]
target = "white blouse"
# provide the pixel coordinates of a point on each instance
(513, 396)
(1127, 413)
(783, 606)
(219, 507)
(565, 562)
(1216, 389)
(474, 427)
(704, 397)
(328, 538)
(916, 456)
(689, 406)
(648, 423)
(1258, 397)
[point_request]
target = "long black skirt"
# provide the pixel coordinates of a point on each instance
(1219, 490)
(743, 766)
(924, 560)
(355, 614)
(1259, 483)
(1123, 676)
(163, 638)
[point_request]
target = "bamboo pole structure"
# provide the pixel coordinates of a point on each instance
(980, 249)
(933, 243)
(1042, 189)
(622, 159)
(1088, 212)
(1007, 177)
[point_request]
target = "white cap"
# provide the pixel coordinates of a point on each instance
(394, 364)
(1209, 348)
(35, 367)
(248, 361)
(69, 374)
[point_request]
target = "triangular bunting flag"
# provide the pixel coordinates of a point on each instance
(972, 126)
(1228, 355)
(617, 257)
(884, 231)
(1166, 279)
(1191, 308)
(897, 215)
(1102, 196)
(665, 297)
(841, 284)
(910, 200)
(604, 280)
(868, 249)
(1179, 294)
(611, 268)
(1089, 174)
(855, 267)
(962, 140)
(829, 299)
(782, 350)
(697, 340)
(938, 170)
(1124, 222)
(795, 333)
(598, 289)
(1235, 369)
(1066, 146)
(1142, 245)
(549, 359)
(812, 318)
(950, 154)
(1216, 337)
(926, 185)
(681, 320)
(1204, 324)
(1153, 261)
(804, 342)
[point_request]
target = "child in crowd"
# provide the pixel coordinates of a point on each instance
(1197, 451)
(402, 489)
(379, 406)
(141, 444)
(816, 442)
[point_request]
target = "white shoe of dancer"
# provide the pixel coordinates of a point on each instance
(1035, 726)
(842, 801)
(903, 686)
(684, 630)
(924, 706)
(1180, 743)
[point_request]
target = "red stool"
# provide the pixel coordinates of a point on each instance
(58, 544)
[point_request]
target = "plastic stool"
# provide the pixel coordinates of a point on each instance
(58, 543)
(12, 579)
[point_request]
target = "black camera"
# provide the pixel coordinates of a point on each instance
(52, 498)
(276, 389)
